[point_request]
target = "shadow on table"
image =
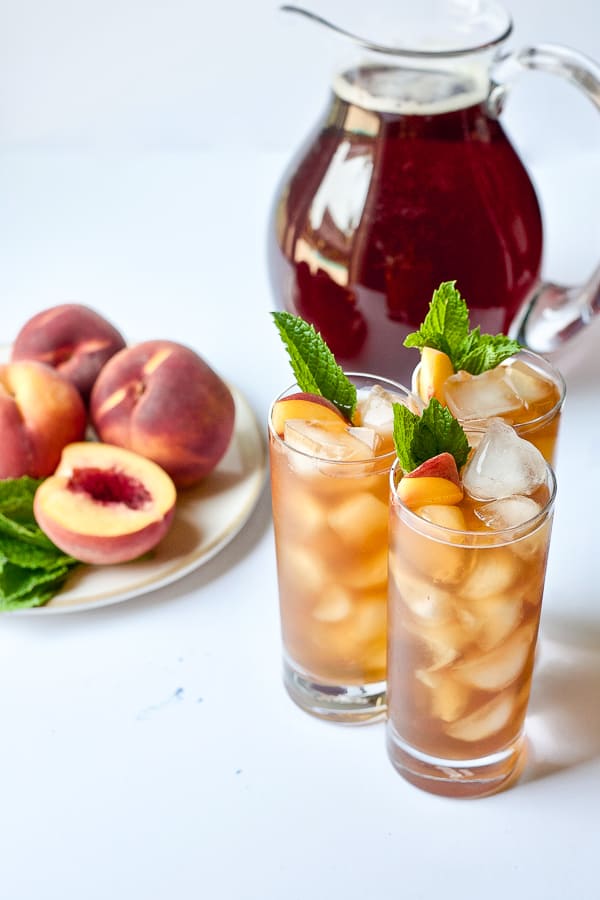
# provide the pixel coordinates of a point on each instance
(563, 723)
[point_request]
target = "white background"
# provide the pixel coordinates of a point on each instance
(140, 146)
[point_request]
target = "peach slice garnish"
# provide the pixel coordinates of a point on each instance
(434, 369)
(309, 407)
(422, 491)
(441, 466)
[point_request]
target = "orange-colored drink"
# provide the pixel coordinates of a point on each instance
(525, 391)
(330, 488)
(466, 585)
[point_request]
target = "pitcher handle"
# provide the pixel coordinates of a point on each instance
(555, 313)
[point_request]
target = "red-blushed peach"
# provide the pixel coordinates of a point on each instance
(162, 400)
(73, 339)
(306, 406)
(441, 466)
(105, 505)
(40, 412)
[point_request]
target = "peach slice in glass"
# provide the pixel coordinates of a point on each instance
(310, 407)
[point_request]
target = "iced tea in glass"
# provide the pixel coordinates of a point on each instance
(330, 491)
(465, 593)
(526, 391)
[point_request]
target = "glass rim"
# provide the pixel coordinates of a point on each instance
(531, 424)
(346, 463)
(497, 36)
(478, 538)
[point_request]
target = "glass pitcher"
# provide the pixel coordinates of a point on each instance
(410, 180)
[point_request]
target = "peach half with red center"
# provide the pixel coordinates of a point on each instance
(105, 505)
(306, 407)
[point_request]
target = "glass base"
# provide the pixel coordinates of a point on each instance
(457, 778)
(348, 704)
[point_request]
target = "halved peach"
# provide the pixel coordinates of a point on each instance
(302, 405)
(415, 492)
(104, 504)
(435, 367)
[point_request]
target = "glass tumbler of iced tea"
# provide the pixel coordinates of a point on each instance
(525, 391)
(464, 609)
(330, 494)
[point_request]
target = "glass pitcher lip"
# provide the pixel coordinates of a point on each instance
(408, 52)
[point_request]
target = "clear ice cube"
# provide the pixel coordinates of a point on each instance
(448, 697)
(494, 572)
(497, 669)
(503, 465)
(374, 409)
(481, 396)
(484, 721)
(529, 385)
(326, 440)
(334, 605)
(360, 520)
(509, 512)
(494, 618)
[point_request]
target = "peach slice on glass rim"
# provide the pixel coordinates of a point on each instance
(431, 374)
(302, 405)
(104, 504)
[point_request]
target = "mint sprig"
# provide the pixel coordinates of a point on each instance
(419, 438)
(32, 569)
(314, 364)
(446, 328)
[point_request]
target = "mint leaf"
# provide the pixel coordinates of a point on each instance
(418, 438)
(446, 328)
(405, 423)
(314, 364)
(446, 325)
(485, 351)
(32, 568)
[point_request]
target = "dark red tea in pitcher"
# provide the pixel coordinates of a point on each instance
(384, 205)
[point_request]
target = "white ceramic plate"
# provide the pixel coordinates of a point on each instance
(207, 518)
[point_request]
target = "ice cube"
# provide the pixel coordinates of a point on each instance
(494, 572)
(367, 435)
(529, 385)
(493, 619)
(326, 440)
(366, 573)
(304, 516)
(481, 396)
(334, 605)
(497, 669)
(427, 602)
(484, 721)
(297, 564)
(374, 410)
(509, 512)
(503, 465)
(360, 520)
(448, 698)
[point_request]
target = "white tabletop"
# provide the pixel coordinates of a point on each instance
(148, 748)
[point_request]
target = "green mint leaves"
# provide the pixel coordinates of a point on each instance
(314, 364)
(32, 569)
(418, 438)
(446, 328)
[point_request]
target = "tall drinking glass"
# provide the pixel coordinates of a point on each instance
(331, 536)
(464, 610)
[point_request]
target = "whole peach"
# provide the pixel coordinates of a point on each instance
(73, 339)
(40, 412)
(162, 400)
(105, 505)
